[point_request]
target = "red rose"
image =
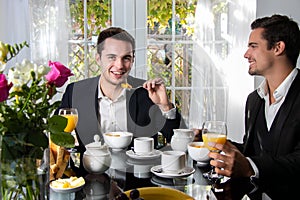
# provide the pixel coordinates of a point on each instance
(4, 88)
(58, 75)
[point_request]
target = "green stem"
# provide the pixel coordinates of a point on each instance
(28, 98)
(45, 96)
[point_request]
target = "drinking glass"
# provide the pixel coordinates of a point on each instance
(213, 132)
(72, 115)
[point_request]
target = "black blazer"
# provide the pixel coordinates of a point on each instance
(279, 170)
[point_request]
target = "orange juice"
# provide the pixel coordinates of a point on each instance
(213, 138)
(72, 121)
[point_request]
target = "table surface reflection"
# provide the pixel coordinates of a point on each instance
(126, 173)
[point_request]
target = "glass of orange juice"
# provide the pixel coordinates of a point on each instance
(213, 132)
(72, 115)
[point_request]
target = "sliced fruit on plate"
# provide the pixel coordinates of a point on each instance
(65, 183)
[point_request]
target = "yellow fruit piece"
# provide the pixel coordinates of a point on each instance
(126, 85)
(66, 185)
(77, 182)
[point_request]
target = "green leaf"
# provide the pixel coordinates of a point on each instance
(57, 124)
(63, 139)
(39, 139)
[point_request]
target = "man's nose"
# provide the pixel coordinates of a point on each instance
(118, 62)
(246, 55)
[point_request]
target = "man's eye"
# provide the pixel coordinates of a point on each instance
(127, 59)
(111, 57)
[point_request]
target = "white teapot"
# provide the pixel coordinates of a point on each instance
(97, 158)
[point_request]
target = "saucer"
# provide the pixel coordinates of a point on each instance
(154, 154)
(201, 164)
(184, 173)
(132, 162)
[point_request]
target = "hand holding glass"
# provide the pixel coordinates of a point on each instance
(213, 132)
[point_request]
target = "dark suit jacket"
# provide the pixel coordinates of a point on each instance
(279, 170)
(143, 116)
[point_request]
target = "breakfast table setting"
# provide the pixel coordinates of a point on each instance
(116, 171)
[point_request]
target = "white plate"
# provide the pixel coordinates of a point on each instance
(185, 172)
(66, 190)
(154, 154)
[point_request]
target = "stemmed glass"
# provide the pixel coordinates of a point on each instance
(213, 132)
(72, 115)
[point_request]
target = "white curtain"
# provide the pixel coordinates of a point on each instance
(14, 26)
(49, 30)
(220, 83)
(44, 24)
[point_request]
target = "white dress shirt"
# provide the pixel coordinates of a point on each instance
(113, 113)
(279, 96)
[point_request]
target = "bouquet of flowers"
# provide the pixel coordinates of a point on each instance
(26, 104)
(26, 119)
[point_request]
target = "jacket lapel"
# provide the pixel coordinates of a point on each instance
(131, 111)
(251, 115)
(132, 104)
(285, 110)
(85, 99)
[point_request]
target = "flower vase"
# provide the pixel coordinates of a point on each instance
(24, 171)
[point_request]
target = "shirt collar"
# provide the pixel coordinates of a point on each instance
(282, 89)
(102, 96)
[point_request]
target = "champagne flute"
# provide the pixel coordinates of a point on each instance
(72, 115)
(213, 132)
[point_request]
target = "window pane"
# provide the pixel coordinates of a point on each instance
(82, 47)
(170, 47)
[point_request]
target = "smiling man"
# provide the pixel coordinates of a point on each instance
(269, 156)
(104, 105)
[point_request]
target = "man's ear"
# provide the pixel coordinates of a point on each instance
(98, 58)
(279, 48)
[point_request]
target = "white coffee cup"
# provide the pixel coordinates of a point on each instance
(172, 161)
(143, 145)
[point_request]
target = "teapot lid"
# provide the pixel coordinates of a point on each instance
(97, 144)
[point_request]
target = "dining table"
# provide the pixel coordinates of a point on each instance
(126, 172)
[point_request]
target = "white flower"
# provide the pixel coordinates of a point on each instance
(1, 118)
(20, 74)
(42, 70)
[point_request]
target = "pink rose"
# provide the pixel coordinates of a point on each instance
(58, 75)
(4, 88)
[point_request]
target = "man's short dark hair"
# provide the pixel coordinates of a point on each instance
(116, 33)
(281, 28)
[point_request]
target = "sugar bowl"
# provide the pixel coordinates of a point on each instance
(97, 157)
